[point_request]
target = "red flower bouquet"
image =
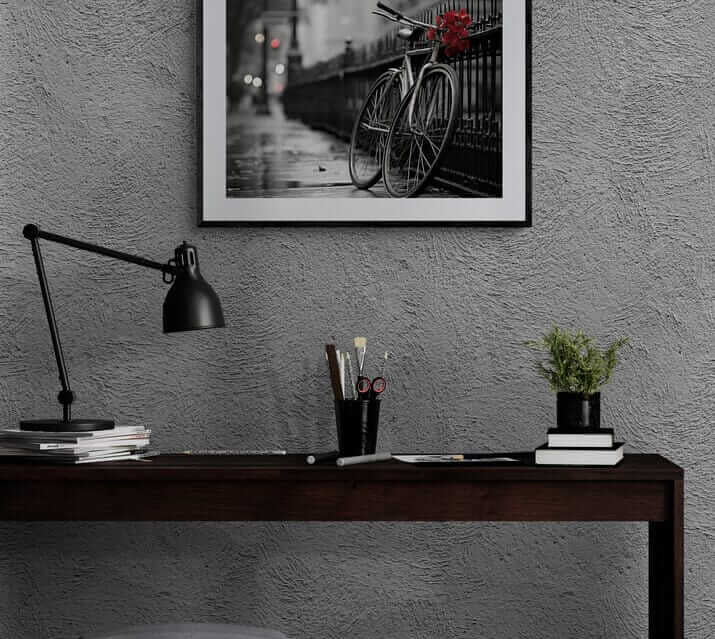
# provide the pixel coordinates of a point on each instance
(453, 27)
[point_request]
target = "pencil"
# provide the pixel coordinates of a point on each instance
(234, 452)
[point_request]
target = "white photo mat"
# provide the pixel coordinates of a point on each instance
(513, 209)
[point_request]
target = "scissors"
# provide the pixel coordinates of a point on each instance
(372, 390)
(367, 389)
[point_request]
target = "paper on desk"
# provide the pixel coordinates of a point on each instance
(449, 459)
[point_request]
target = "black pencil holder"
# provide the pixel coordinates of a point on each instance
(357, 422)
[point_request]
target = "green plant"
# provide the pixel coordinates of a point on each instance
(576, 364)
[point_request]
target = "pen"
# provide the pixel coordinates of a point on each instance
(234, 452)
(363, 459)
(316, 458)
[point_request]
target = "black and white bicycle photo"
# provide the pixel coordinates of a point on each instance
(365, 100)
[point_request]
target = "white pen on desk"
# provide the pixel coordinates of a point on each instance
(316, 458)
(363, 459)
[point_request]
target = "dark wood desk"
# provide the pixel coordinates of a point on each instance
(644, 488)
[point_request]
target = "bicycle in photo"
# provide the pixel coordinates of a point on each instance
(406, 123)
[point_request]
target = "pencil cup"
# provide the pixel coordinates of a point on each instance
(357, 422)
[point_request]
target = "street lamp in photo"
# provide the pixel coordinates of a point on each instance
(262, 107)
(295, 58)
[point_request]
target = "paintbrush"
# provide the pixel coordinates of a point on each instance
(331, 355)
(341, 369)
(351, 378)
(384, 364)
(360, 348)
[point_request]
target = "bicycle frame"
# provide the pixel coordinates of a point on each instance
(406, 71)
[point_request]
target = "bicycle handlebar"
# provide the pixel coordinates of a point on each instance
(395, 16)
(384, 7)
(387, 16)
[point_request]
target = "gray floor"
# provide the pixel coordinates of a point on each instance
(271, 156)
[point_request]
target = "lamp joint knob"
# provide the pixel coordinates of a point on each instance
(31, 231)
(65, 397)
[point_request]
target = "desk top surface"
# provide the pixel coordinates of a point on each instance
(294, 468)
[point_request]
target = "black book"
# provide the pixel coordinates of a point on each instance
(595, 438)
(576, 431)
(579, 456)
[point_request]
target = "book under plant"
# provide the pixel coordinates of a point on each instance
(576, 368)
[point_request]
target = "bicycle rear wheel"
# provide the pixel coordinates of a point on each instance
(367, 144)
(414, 149)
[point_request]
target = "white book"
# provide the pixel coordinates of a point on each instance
(97, 454)
(92, 444)
(107, 458)
(85, 452)
(579, 456)
(68, 454)
(103, 459)
(580, 440)
(80, 457)
(112, 442)
(45, 436)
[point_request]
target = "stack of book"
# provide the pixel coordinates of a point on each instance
(580, 448)
(121, 442)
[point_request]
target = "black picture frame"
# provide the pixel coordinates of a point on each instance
(202, 222)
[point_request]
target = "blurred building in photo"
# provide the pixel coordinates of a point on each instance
(323, 29)
(326, 25)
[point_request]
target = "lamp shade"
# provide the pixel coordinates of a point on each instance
(191, 304)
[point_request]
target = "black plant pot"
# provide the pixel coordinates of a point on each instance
(578, 411)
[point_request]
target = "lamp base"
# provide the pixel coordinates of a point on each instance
(72, 426)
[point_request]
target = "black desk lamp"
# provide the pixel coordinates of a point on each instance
(190, 304)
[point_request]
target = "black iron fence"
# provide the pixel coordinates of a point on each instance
(328, 95)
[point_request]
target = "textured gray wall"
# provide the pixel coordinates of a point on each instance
(97, 140)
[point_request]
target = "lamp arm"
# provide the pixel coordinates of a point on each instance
(33, 233)
(66, 396)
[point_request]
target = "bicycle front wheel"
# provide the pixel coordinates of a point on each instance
(417, 143)
(367, 145)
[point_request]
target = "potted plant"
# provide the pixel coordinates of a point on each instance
(576, 369)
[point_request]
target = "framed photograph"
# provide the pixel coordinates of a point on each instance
(365, 112)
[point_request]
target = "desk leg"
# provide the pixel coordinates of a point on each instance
(665, 572)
